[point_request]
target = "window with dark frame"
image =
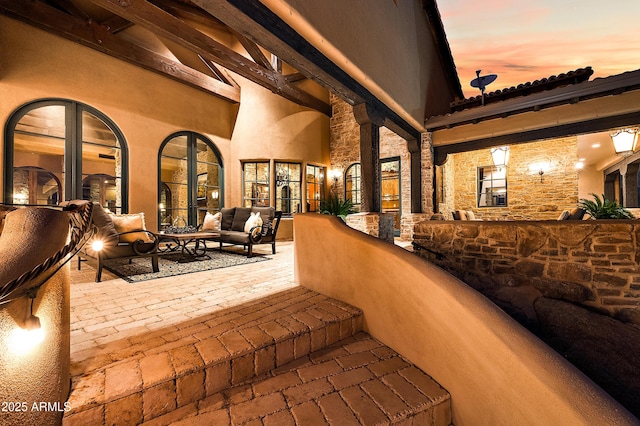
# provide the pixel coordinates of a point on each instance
(492, 186)
(315, 187)
(352, 189)
(288, 187)
(255, 184)
(39, 133)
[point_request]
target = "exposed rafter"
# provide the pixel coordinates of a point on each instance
(162, 23)
(99, 37)
(179, 22)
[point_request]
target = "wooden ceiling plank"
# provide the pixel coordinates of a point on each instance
(95, 36)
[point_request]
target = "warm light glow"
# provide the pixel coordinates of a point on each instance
(161, 206)
(97, 245)
(580, 165)
(23, 341)
(215, 194)
(595, 145)
(500, 156)
(20, 198)
(334, 174)
(624, 140)
(540, 167)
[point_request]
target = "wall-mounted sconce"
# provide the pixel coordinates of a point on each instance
(24, 339)
(624, 140)
(540, 168)
(334, 175)
(500, 156)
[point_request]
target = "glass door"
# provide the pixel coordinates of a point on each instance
(190, 180)
(390, 186)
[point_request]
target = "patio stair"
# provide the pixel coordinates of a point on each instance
(296, 357)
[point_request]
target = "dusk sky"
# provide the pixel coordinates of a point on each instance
(523, 41)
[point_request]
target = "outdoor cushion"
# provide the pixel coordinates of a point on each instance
(212, 222)
(227, 218)
(564, 215)
(253, 221)
(240, 218)
(130, 222)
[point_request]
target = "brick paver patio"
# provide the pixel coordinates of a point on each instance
(238, 345)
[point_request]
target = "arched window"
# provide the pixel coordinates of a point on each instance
(190, 180)
(352, 184)
(59, 150)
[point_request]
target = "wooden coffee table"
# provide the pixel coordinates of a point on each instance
(179, 243)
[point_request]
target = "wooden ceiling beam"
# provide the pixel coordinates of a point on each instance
(72, 8)
(162, 23)
(253, 50)
(98, 37)
(191, 13)
(294, 77)
(115, 24)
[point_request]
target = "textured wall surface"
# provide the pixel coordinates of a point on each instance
(593, 263)
(495, 370)
(35, 383)
(529, 198)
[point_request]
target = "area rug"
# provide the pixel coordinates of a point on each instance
(176, 264)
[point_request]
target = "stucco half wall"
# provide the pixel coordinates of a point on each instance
(495, 370)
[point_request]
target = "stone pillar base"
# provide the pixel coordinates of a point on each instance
(379, 225)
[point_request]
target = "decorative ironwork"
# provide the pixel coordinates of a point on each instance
(80, 230)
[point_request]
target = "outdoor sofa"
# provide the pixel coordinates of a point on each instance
(231, 224)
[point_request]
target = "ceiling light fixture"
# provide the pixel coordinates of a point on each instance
(624, 141)
(500, 156)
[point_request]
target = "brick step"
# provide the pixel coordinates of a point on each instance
(152, 374)
(357, 381)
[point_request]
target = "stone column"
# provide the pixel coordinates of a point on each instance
(370, 122)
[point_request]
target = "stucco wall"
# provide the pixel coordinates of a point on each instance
(495, 370)
(40, 373)
(381, 44)
(147, 108)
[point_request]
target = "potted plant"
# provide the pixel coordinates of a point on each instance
(604, 209)
(335, 206)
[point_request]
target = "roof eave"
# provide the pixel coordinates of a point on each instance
(569, 94)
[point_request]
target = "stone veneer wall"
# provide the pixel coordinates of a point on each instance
(379, 225)
(345, 150)
(528, 198)
(595, 264)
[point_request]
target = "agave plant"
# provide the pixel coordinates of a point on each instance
(335, 206)
(604, 209)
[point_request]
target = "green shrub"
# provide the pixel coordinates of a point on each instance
(604, 209)
(333, 205)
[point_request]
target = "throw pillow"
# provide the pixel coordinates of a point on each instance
(564, 215)
(131, 222)
(212, 222)
(253, 221)
(470, 215)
